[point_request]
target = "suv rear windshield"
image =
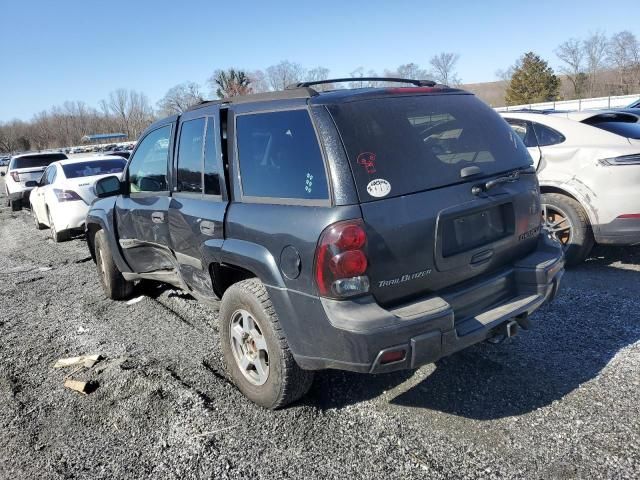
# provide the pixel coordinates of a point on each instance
(422, 142)
(620, 124)
(36, 161)
(93, 167)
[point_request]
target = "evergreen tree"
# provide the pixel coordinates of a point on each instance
(533, 81)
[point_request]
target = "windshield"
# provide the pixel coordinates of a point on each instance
(36, 161)
(401, 145)
(93, 167)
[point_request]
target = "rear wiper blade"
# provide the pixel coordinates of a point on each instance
(512, 177)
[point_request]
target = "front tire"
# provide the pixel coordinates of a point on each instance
(256, 352)
(565, 219)
(113, 283)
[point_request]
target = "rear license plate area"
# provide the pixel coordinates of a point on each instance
(469, 231)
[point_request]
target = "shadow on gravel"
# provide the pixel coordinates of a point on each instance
(573, 339)
(604, 255)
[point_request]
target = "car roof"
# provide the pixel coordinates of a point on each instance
(37, 154)
(581, 116)
(73, 160)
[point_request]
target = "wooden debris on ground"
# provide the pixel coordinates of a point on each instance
(82, 362)
(79, 386)
(87, 361)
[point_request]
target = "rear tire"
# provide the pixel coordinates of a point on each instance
(284, 382)
(113, 283)
(16, 205)
(578, 240)
(56, 236)
(39, 226)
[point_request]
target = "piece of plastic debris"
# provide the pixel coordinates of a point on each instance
(135, 300)
(87, 361)
(45, 269)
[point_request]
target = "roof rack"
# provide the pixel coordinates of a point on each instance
(417, 83)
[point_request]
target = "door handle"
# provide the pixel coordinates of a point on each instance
(157, 217)
(207, 228)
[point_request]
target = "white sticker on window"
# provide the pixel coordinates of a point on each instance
(379, 187)
(308, 183)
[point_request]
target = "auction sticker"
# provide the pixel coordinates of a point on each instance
(378, 188)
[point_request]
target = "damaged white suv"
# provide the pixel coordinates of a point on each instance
(588, 165)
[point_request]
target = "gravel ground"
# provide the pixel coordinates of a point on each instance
(559, 401)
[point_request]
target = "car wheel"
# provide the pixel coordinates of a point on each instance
(56, 236)
(255, 350)
(113, 283)
(16, 205)
(565, 219)
(39, 226)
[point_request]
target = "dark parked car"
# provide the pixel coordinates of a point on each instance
(369, 230)
(119, 153)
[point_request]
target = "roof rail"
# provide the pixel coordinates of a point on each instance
(258, 97)
(417, 83)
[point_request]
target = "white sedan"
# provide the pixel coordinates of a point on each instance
(62, 197)
(588, 165)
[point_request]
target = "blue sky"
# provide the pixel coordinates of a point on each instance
(52, 51)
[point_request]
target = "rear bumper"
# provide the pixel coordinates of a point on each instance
(71, 216)
(621, 231)
(353, 335)
(20, 195)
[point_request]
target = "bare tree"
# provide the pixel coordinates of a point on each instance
(360, 73)
(284, 74)
(504, 76)
(180, 98)
(444, 65)
(131, 108)
(572, 55)
(408, 70)
(624, 56)
(258, 81)
(595, 51)
(317, 74)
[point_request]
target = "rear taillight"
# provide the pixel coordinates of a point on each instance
(622, 160)
(15, 176)
(341, 260)
(66, 195)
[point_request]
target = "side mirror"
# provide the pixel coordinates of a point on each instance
(31, 184)
(108, 187)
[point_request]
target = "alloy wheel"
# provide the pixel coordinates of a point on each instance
(557, 223)
(249, 347)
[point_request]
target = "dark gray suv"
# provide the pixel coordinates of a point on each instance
(368, 230)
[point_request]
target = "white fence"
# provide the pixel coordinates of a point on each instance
(583, 104)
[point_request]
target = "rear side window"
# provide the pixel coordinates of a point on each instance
(524, 130)
(190, 154)
(401, 145)
(547, 136)
(95, 167)
(36, 161)
(621, 124)
(211, 163)
(280, 157)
